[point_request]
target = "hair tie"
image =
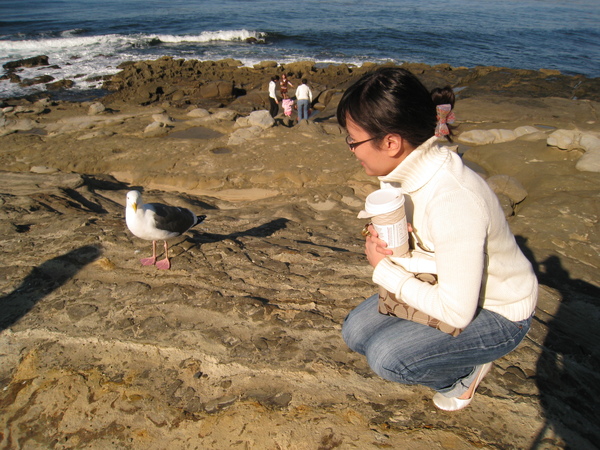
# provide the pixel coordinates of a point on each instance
(444, 116)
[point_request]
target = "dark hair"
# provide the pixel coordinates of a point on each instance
(393, 100)
(275, 78)
(304, 81)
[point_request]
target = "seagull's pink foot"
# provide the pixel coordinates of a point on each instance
(163, 264)
(148, 261)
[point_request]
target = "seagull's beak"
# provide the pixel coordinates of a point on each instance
(134, 206)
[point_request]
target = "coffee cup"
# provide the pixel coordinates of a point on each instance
(385, 207)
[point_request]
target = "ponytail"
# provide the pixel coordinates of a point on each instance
(442, 96)
(443, 99)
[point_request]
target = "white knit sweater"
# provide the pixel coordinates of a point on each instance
(455, 214)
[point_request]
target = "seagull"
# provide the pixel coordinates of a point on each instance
(155, 221)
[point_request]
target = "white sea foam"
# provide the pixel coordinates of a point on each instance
(111, 42)
(60, 48)
(85, 58)
(211, 36)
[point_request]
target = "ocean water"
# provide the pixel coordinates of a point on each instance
(85, 39)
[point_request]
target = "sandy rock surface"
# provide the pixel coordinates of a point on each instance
(239, 345)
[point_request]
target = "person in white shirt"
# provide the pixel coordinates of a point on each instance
(304, 99)
(273, 101)
(485, 285)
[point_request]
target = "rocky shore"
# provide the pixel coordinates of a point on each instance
(238, 345)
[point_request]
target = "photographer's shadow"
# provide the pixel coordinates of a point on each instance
(568, 369)
(41, 281)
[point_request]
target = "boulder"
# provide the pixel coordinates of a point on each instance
(590, 142)
(12, 126)
(96, 108)
(564, 139)
(308, 126)
(476, 137)
(299, 69)
(266, 65)
(575, 139)
(496, 136)
(242, 122)
(526, 130)
(483, 137)
(43, 169)
(261, 119)
(198, 113)
(508, 186)
(36, 108)
(217, 89)
(331, 100)
(506, 204)
(589, 162)
(252, 101)
(155, 129)
(224, 114)
(162, 118)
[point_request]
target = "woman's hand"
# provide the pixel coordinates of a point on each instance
(375, 248)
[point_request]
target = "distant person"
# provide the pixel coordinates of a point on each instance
(284, 83)
(304, 99)
(287, 104)
(273, 101)
(485, 290)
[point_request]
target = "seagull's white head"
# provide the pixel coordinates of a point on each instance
(134, 200)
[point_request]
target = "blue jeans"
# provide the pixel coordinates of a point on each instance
(411, 353)
(303, 109)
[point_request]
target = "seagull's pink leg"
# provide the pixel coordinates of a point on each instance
(164, 264)
(152, 260)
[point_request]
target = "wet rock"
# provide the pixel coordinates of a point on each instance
(37, 80)
(35, 61)
(59, 85)
(266, 65)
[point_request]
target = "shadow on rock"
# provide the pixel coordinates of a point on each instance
(567, 371)
(264, 230)
(42, 280)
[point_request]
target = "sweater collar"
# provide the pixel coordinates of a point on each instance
(419, 167)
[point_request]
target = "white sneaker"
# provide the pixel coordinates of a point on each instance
(455, 403)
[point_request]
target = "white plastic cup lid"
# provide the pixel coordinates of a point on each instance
(384, 201)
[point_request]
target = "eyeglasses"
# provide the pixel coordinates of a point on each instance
(353, 145)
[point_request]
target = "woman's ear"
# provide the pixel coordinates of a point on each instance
(395, 145)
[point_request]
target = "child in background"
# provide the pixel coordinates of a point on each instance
(287, 104)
